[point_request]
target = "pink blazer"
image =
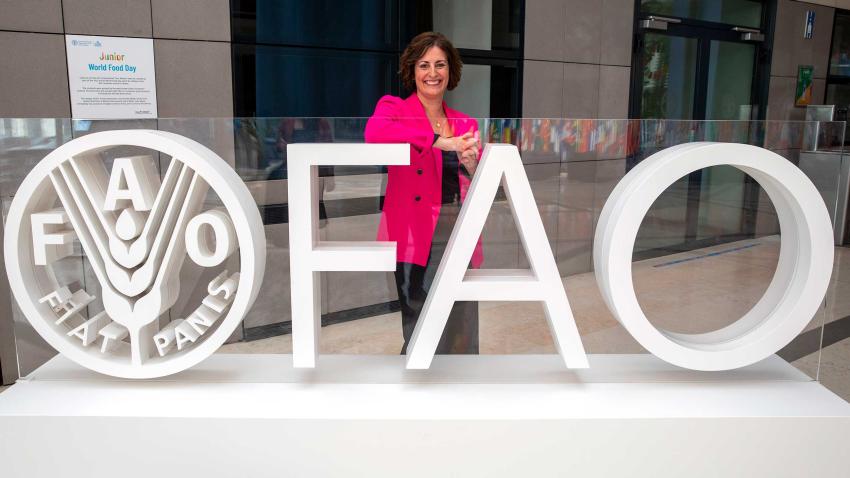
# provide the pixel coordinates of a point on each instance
(414, 193)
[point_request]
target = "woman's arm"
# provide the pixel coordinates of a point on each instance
(385, 126)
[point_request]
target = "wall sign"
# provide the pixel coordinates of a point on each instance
(809, 26)
(136, 232)
(111, 77)
(805, 82)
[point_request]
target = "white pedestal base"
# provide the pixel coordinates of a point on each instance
(255, 416)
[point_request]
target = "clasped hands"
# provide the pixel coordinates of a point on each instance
(466, 146)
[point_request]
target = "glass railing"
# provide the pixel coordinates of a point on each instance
(705, 252)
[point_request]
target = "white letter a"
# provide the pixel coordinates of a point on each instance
(454, 282)
(133, 179)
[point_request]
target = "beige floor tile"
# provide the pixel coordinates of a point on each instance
(809, 365)
(835, 368)
(841, 265)
(834, 372)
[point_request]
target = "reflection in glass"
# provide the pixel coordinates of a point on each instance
(23, 142)
(669, 68)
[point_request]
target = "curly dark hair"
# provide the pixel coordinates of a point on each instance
(416, 50)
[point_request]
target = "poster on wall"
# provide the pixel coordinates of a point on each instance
(804, 86)
(111, 77)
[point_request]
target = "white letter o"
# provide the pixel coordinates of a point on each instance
(794, 294)
(196, 241)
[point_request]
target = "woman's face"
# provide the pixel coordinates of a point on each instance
(432, 73)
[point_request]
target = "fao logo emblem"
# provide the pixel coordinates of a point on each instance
(172, 239)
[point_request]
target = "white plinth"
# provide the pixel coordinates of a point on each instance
(517, 416)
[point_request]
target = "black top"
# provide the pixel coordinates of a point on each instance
(451, 185)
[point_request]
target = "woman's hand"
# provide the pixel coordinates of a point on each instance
(469, 159)
(466, 146)
(458, 144)
(469, 156)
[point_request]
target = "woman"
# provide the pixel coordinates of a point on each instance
(423, 199)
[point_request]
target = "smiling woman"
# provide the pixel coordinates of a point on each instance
(423, 199)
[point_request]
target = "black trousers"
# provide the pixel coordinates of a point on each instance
(413, 283)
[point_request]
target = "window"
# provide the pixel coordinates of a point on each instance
(838, 76)
(331, 58)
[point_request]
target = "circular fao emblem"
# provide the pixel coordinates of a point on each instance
(159, 233)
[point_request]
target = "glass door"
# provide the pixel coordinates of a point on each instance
(689, 64)
(838, 77)
(669, 76)
(668, 85)
(723, 189)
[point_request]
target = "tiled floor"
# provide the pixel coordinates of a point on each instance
(689, 292)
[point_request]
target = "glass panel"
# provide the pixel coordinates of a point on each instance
(469, 24)
(572, 165)
(721, 204)
(730, 81)
(308, 82)
(323, 58)
(669, 68)
(839, 95)
(839, 62)
(722, 188)
(486, 91)
(472, 95)
(362, 25)
(23, 143)
(734, 12)
(479, 24)
(664, 229)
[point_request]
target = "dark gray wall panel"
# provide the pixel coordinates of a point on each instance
(44, 16)
(129, 18)
(581, 90)
(193, 79)
(544, 29)
(542, 89)
(581, 31)
(191, 19)
(33, 81)
(614, 92)
(617, 27)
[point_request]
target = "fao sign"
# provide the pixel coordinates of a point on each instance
(137, 227)
(136, 231)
